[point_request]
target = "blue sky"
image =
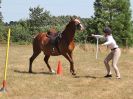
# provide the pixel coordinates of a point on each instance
(14, 10)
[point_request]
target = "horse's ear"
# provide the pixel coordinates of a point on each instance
(71, 18)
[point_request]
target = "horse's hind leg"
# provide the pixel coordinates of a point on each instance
(46, 58)
(35, 54)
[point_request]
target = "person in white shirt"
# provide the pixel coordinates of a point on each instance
(113, 55)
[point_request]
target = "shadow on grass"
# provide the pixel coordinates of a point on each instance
(88, 76)
(26, 72)
(85, 77)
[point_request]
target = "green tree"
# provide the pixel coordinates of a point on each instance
(38, 18)
(0, 13)
(1, 25)
(20, 34)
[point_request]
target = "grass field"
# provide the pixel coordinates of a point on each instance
(88, 84)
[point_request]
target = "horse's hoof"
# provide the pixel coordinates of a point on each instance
(52, 72)
(74, 74)
(30, 72)
(72, 71)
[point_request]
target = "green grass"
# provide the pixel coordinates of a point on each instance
(88, 84)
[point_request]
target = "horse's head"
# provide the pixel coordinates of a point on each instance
(76, 22)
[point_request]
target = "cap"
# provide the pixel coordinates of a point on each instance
(107, 30)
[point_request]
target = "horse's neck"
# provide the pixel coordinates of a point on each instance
(68, 33)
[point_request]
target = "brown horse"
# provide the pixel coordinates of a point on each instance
(66, 45)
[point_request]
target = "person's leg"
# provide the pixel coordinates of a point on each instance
(106, 62)
(115, 59)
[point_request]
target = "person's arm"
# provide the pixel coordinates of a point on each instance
(107, 43)
(98, 36)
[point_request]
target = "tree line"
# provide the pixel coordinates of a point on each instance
(113, 13)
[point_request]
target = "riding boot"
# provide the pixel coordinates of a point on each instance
(53, 50)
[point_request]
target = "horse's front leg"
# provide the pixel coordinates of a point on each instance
(68, 56)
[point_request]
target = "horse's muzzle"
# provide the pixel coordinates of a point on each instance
(81, 27)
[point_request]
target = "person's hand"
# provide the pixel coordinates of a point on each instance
(102, 44)
(92, 35)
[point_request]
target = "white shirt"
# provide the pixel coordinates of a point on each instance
(110, 42)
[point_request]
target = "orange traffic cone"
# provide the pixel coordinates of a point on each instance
(59, 68)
